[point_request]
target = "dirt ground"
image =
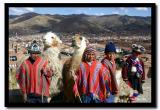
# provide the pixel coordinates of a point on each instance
(146, 96)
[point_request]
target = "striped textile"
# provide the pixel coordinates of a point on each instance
(112, 69)
(90, 49)
(137, 63)
(92, 79)
(135, 81)
(31, 79)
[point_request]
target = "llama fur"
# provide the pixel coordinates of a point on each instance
(71, 66)
(51, 54)
(125, 91)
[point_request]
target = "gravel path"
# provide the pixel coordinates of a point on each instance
(146, 96)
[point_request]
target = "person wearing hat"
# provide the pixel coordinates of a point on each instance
(33, 76)
(109, 62)
(91, 79)
(133, 72)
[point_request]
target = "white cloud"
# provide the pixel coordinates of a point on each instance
(19, 11)
(79, 11)
(115, 12)
(141, 9)
(99, 14)
(30, 9)
(124, 10)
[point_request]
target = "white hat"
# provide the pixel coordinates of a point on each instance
(138, 48)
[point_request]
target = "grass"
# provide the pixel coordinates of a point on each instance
(12, 79)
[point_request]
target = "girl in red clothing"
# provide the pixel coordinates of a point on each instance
(92, 78)
(33, 78)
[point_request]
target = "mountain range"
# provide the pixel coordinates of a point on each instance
(33, 23)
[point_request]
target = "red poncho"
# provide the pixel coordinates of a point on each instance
(92, 79)
(31, 79)
(112, 69)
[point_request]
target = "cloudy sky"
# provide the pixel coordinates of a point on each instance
(131, 11)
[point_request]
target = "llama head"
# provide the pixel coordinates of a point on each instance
(51, 39)
(119, 63)
(79, 41)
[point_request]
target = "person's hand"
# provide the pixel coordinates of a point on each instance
(116, 93)
(75, 77)
(49, 72)
(108, 94)
(44, 71)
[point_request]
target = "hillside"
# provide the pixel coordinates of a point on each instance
(32, 23)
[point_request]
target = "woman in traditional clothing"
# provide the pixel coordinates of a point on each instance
(133, 72)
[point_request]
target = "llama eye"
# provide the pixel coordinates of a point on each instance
(52, 37)
(81, 38)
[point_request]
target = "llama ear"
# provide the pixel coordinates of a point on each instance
(72, 37)
(87, 42)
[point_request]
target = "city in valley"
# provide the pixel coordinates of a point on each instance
(19, 44)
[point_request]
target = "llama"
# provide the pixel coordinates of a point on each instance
(125, 91)
(71, 65)
(51, 53)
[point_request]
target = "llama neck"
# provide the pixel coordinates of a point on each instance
(53, 51)
(79, 52)
(118, 76)
(77, 57)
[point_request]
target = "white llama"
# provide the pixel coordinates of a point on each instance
(51, 53)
